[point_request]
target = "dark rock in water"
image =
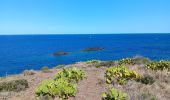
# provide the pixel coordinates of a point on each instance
(93, 49)
(60, 53)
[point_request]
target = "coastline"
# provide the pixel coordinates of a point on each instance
(33, 52)
(94, 85)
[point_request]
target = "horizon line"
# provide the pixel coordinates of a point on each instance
(83, 33)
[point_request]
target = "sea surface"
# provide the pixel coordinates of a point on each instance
(20, 52)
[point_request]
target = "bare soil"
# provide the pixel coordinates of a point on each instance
(94, 85)
(90, 88)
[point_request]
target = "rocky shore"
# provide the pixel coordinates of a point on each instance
(152, 84)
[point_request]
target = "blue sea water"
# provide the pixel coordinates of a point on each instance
(20, 52)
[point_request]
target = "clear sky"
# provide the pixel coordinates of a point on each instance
(84, 16)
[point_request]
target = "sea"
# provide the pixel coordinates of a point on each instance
(21, 52)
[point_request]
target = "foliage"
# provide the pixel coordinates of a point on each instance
(121, 74)
(141, 60)
(99, 63)
(125, 61)
(14, 85)
(1, 78)
(161, 65)
(135, 60)
(45, 69)
(60, 66)
(107, 63)
(63, 86)
(73, 74)
(146, 79)
(115, 94)
(146, 96)
(43, 89)
(95, 63)
(29, 72)
(60, 87)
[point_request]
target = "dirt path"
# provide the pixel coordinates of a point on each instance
(92, 87)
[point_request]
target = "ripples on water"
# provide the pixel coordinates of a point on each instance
(18, 53)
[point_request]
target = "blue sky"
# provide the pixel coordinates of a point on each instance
(84, 16)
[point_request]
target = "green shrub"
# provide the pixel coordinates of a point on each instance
(141, 60)
(115, 94)
(95, 63)
(60, 66)
(99, 63)
(146, 96)
(73, 74)
(125, 61)
(60, 87)
(43, 89)
(63, 86)
(135, 60)
(107, 63)
(161, 65)
(29, 72)
(14, 85)
(146, 79)
(45, 69)
(121, 74)
(1, 78)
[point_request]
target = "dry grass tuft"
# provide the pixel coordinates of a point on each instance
(158, 90)
(29, 72)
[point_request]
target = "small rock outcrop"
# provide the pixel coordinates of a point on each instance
(60, 53)
(93, 49)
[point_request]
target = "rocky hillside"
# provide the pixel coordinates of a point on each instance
(125, 79)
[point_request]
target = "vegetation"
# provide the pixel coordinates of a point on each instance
(135, 60)
(107, 63)
(161, 65)
(45, 69)
(141, 60)
(95, 63)
(43, 89)
(1, 78)
(72, 74)
(60, 66)
(63, 86)
(121, 74)
(115, 94)
(125, 61)
(146, 96)
(146, 79)
(29, 72)
(14, 85)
